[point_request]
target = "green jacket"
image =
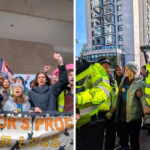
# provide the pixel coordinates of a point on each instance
(134, 105)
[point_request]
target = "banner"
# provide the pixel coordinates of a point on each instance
(36, 131)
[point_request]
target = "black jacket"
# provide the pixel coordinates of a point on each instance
(45, 97)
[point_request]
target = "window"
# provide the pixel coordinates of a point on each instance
(110, 40)
(120, 46)
(93, 42)
(109, 29)
(120, 28)
(109, 9)
(97, 23)
(109, 19)
(99, 31)
(119, 7)
(108, 1)
(92, 33)
(119, 18)
(120, 37)
(99, 41)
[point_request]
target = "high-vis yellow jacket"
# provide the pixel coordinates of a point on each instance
(93, 92)
(61, 101)
(147, 86)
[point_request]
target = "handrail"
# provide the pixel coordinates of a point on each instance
(34, 114)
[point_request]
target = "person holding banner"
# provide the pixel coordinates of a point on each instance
(18, 102)
(43, 96)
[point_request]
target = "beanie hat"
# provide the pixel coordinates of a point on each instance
(132, 66)
(18, 85)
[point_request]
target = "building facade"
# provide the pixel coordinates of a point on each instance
(113, 29)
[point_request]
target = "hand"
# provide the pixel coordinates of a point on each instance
(58, 58)
(126, 72)
(37, 109)
(108, 115)
(46, 68)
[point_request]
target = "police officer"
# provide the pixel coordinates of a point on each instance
(94, 96)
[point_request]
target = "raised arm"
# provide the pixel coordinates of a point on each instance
(63, 80)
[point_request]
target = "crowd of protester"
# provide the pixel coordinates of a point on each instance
(43, 93)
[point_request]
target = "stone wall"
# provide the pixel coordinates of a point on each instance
(28, 57)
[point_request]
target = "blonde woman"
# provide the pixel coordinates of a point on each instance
(130, 109)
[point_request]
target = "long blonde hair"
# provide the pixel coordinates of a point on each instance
(20, 100)
(129, 73)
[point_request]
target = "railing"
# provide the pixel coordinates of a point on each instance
(33, 114)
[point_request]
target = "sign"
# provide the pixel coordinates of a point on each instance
(43, 132)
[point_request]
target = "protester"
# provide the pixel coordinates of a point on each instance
(118, 74)
(32, 84)
(43, 96)
(18, 102)
(21, 80)
(54, 79)
(5, 91)
(65, 99)
(1, 80)
(129, 112)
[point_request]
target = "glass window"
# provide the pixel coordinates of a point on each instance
(119, 7)
(97, 23)
(99, 31)
(109, 9)
(109, 19)
(119, 18)
(109, 29)
(108, 1)
(100, 41)
(120, 37)
(120, 46)
(93, 33)
(110, 40)
(120, 28)
(93, 42)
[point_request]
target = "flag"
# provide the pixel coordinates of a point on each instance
(4, 67)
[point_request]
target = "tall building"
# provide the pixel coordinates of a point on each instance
(113, 30)
(145, 26)
(145, 22)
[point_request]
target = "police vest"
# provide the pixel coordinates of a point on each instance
(147, 86)
(92, 92)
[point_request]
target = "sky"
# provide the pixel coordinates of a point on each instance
(80, 25)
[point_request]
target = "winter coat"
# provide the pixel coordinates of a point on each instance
(10, 105)
(45, 97)
(130, 108)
